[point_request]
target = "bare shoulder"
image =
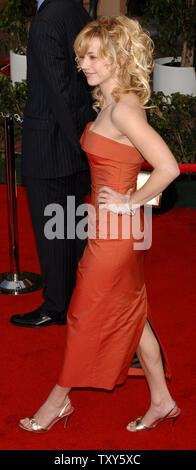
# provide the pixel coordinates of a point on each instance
(128, 107)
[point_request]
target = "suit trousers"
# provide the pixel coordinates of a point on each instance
(58, 256)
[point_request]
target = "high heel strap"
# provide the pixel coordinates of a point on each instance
(65, 407)
(173, 408)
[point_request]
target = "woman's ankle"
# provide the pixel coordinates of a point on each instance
(162, 402)
(58, 396)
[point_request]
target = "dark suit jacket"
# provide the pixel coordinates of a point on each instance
(59, 102)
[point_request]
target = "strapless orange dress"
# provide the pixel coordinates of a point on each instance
(109, 306)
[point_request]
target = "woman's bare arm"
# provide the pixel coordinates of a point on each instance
(130, 121)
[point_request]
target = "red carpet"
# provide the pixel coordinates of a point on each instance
(30, 359)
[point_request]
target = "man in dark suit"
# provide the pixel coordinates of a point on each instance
(58, 108)
(92, 8)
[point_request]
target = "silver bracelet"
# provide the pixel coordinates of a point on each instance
(129, 211)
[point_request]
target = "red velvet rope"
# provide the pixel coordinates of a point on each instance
(5, 66)
(184, 167)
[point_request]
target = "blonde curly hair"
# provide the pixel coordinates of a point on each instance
(120, 37)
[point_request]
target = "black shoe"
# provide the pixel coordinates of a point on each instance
(38, 319)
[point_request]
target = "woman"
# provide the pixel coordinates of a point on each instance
(108, 319)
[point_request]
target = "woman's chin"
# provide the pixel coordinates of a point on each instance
(92, 81)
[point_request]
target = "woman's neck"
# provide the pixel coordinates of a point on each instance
(106, 90)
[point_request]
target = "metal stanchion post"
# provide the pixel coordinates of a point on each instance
(14, 282)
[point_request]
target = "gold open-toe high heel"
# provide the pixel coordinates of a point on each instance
(35, 427)
(140, 427)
